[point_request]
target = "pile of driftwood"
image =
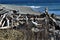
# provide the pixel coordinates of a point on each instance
(39, 24)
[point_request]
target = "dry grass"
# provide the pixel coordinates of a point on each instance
(11, 35)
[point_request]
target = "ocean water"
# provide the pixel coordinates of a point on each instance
(52, 7)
